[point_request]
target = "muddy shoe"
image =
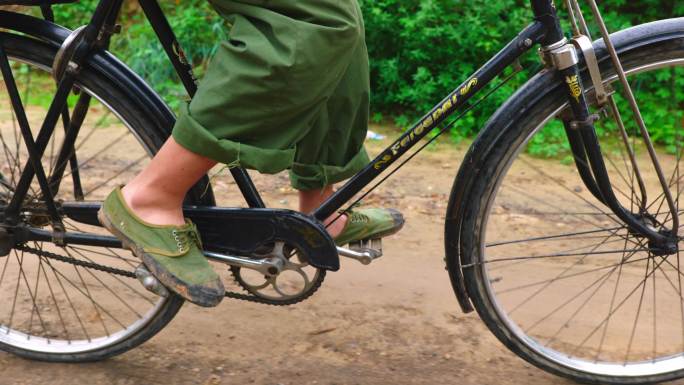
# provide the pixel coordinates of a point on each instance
(173, 254)
(370, 223)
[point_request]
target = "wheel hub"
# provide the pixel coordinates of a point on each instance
(669, 246)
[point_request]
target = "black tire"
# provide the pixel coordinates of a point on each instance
(151, 129)
(486, 164)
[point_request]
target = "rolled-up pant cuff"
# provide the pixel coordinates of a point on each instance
(194, 137)
(190, 134)
(316, 176)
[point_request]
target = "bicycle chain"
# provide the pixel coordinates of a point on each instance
(74, 261)
(130, 274)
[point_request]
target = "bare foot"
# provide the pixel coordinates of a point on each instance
(335, 228)
(311, 199)
(154, 206)
(156, 194)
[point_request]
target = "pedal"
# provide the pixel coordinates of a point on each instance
(150, 282)
(364, 251)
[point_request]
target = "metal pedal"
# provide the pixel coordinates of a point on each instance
(150, 282)
(364, 251)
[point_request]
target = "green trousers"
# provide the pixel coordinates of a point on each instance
(289, 89)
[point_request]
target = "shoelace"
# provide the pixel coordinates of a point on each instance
(356, 217)
(185, 237)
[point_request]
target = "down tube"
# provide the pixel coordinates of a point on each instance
(516, 48)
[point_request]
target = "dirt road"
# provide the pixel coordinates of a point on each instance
(393, 322)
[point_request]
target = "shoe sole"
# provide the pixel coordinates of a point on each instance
(192, 293)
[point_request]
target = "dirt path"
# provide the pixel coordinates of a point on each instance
(394, 322)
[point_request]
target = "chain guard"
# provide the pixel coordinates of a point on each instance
(239, 231)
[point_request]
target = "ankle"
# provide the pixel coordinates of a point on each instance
(335, 225)
(154, 205)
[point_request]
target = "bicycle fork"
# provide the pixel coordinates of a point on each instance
(584, 143)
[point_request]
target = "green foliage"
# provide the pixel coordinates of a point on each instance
(420, 50)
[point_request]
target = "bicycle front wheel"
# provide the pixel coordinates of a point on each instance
(52, 309)
(553, 272)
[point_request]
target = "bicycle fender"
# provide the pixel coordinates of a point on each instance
(540, 86)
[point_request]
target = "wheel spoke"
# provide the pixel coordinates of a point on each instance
(638, 312)
(116, 175)
(556, 255)
(87, 294)
(33, 298)
(132, 309)
(54, 299)
(568, 276)
(560, 275)
(69, 301)
(610, 307)
(556, 237)
(55, 307)
(571, 191)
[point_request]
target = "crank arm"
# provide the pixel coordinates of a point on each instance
(268, 266)
(364, 251)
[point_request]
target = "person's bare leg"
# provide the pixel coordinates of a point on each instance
(156, 194)
(311, 199)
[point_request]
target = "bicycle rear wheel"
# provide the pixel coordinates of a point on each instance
(52, 310)
(555, 275)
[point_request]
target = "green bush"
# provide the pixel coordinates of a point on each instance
(420, 50)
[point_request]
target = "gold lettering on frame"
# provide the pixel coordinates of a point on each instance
(575, 89)
(425, 124)
(447, 106)
(469, 86)
(385, 159)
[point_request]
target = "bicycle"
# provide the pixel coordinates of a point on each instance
(551, 267)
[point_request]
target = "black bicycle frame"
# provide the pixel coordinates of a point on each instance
(544, 30)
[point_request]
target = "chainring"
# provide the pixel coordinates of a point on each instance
(283, 288)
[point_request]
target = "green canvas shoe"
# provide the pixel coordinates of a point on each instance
(173, 254)
(370, 224)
